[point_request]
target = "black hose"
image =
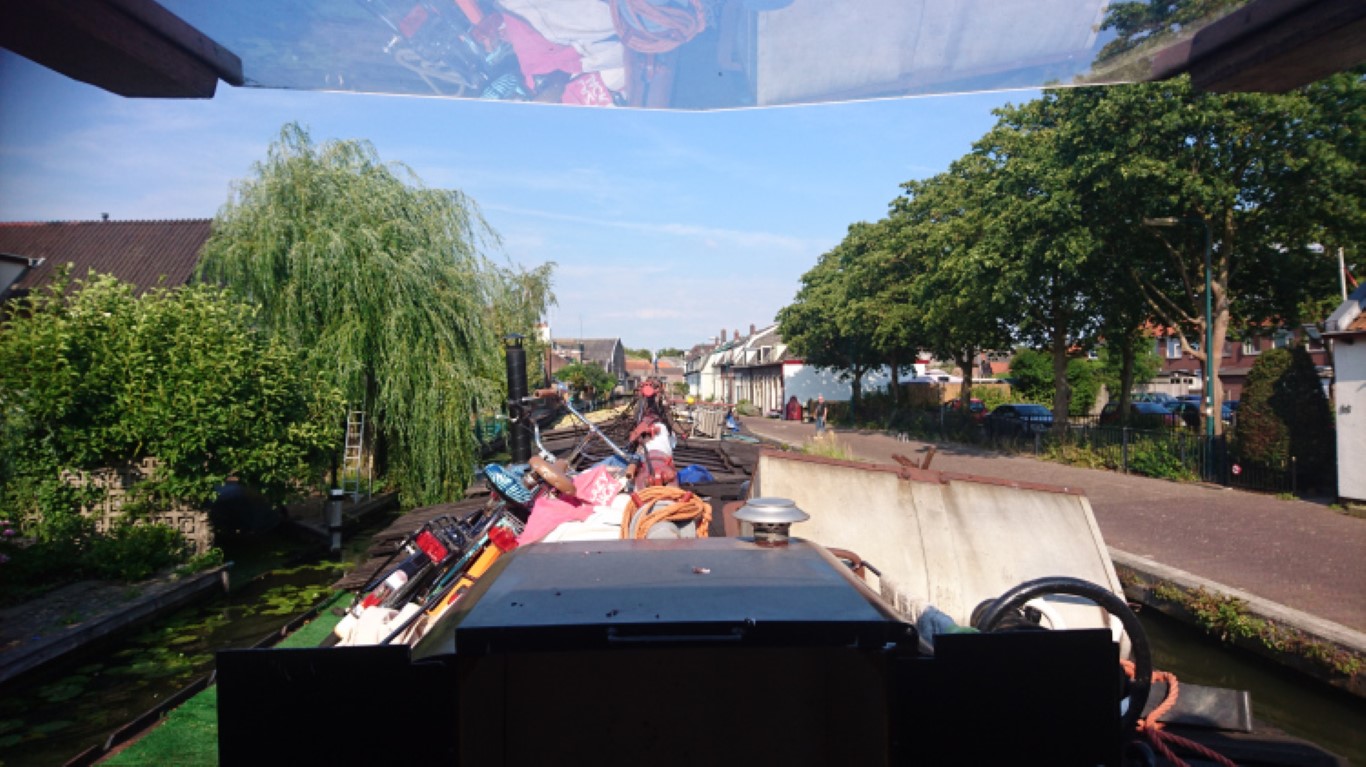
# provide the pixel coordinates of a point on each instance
(1142, 652)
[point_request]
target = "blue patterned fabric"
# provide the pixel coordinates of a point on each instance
(508, 482)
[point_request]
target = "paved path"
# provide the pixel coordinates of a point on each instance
(1296, 553)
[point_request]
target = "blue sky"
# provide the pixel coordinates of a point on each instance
(665, 227)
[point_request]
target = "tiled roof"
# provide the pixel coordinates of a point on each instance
(593, 348)
(138, 252)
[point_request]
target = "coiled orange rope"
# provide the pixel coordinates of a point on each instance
(682, 506)
(1162, 740)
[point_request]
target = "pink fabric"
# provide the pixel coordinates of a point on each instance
(537, 55)
(548, 513)
(589, 90)
(595, 487)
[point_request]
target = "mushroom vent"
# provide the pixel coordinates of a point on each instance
(771, 519)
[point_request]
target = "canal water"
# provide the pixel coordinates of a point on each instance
(59, 712)
(1301, 707)
(51, 718)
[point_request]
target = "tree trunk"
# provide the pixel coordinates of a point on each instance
(856, 394)
(1062, 394)
(1129, 350)
(1214, 355)
(964, 362)
(896, 380)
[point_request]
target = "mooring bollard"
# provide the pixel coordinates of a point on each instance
(332, 515)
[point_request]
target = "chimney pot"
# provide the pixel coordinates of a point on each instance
(723, 335)
(751, 328)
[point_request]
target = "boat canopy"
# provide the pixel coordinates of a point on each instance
(680, 54)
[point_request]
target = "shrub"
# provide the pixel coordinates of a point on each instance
(1156, 459)
(827, 446)
(1285, 413)
(98, 378)
(134, 552)
(991, 396)
(746, 408)
(1084, 376)
(1031, 373)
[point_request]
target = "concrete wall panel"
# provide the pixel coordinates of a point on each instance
(950, 541)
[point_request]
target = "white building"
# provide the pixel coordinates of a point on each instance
(1346, 333)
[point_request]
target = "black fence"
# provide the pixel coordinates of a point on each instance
(1172, 451)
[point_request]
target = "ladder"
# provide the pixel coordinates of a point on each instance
(352, 453)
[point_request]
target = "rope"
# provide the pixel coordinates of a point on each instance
(681, 506)
(1152, 729)
(636, 22)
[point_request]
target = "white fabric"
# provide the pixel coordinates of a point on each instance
(584, 24)
(373, 625)
(661, 440)
(604, 524)
(567, 22)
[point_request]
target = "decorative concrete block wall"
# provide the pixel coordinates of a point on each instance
(117, 482)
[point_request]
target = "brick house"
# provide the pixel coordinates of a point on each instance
(1183, 374)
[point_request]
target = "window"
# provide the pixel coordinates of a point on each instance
(1173, 348)
(1250, 347)
(1281, 340)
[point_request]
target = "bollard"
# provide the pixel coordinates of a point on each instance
(332, 516)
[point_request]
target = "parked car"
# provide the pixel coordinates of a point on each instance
(1228, 410)
(1160, 397)
(1144, 415)
(1194, 399)
(1017, 419)
(976, 408)
(1188, 412)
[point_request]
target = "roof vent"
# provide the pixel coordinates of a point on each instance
(771, 519)
(104, 216)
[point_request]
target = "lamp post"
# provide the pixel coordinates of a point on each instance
(1171, 221)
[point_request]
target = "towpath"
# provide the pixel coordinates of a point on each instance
(1299, 554)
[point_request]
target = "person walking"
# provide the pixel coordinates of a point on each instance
(819, 414)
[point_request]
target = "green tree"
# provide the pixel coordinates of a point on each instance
(833, 319)
(1120, 368)
(383, 282)
(589, 379)
(1146, 24)
(1285, 413)
(1261, 171)
(1084, 377)
(1052, 276)
(99, 378)
(948, 272)
(670, 351)
(1031, 374)
(639, 354)
(518, 305)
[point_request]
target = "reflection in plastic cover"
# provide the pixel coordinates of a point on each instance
(687, 54)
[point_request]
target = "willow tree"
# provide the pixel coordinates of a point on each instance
(384, 283)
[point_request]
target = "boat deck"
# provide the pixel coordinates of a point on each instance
(730, 462)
